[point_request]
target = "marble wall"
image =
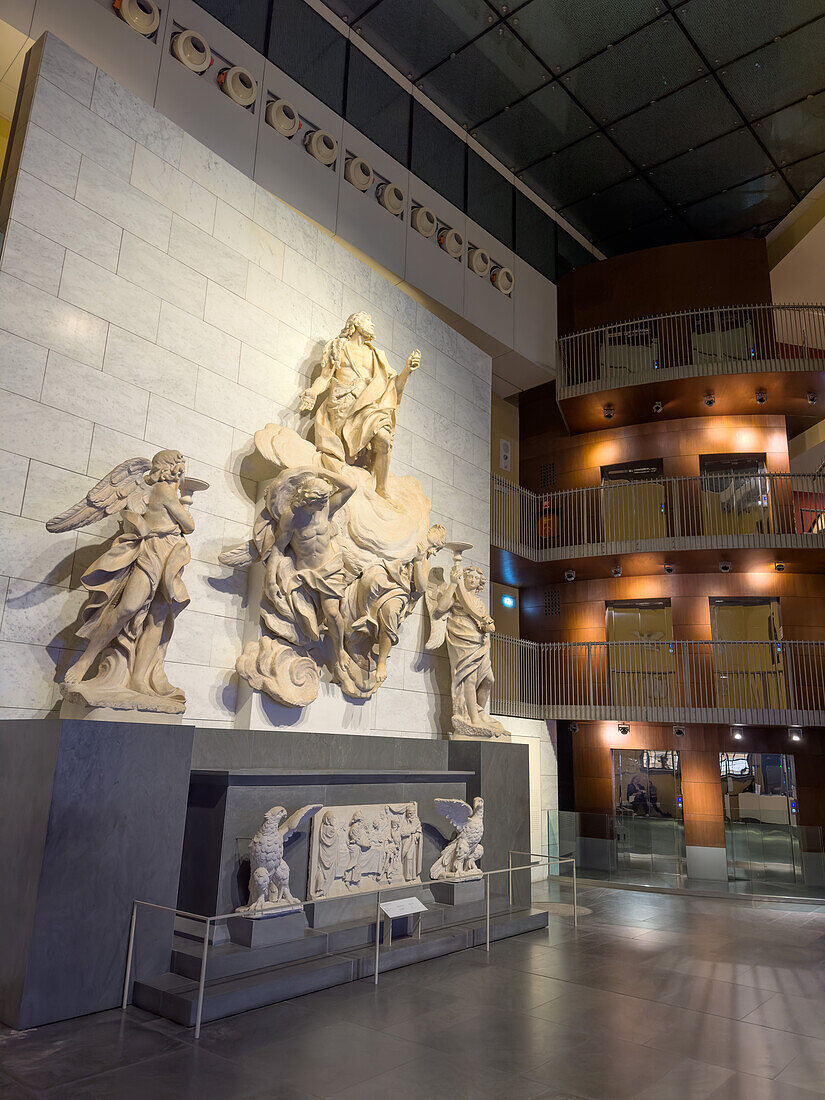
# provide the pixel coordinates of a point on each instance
(151, 295)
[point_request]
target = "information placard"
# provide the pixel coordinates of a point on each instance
(402, 907)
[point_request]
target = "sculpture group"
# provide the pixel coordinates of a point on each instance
(342, 552)
(359, 848)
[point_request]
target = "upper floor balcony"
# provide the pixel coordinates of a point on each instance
(714, 511)
(754, 339)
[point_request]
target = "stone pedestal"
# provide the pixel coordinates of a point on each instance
(267, 930)
(455, 892)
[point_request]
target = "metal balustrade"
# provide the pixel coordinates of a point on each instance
(693, 343)
(715, 511)
(752, 683)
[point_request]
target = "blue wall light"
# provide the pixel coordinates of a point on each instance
(508, 601)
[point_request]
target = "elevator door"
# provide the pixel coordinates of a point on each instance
(642, 661)
(759, 793)
(650, 838)
(747, 660)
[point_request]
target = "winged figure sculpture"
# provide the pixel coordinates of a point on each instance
(268, 870)
(459, 860)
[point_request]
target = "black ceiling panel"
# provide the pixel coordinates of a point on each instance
(346, 9)
(807, 173)
(563, 33)
(489, 198)
(722, 163)
(680, 121)
(741, 208)
(417, 35)
(577, 171)
(438, 156)
(653, 61)
(780, 73)
(628, 203)
(248, 21)
(667, 230)
(377, 106)
(796, 132)
(535, 239)
(726, 29)
(569, 253)
(310, 50)
(537, 126)
(490, 73)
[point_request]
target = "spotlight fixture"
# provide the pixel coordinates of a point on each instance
(616, 570)
(574, 727)
(670, 567)
(725, 567)
(761, 397)
(570, 574)
(141, 15)
(657, 407)
(678, 731)
(779, 566)
(608, 412)
(811, 397)
(710, 399)
(624, 729)
(795, 733)
(736, 733)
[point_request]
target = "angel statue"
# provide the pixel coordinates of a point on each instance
(268, 870)
(459, 860)
(459, 617)
(135, 587)
(355, 422)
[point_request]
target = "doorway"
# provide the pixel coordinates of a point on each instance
(748, 665)
(647, 795)
(641, 656)
(761, 837)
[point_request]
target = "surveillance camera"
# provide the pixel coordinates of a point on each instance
(811, 397)
(709, 399)
(669, 567)
(725, 567)
(779, 566)
(761, 397)
(570, 574)
(657, 407)
(795, 733)
(616, 570)
(736, 733)
(574, 727)
(678, 731)
(624, 729)
(608, 412)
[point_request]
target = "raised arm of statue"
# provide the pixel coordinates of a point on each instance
(412, 364)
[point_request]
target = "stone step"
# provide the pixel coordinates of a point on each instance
(231, 958)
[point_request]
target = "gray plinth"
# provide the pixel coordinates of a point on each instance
(91, 817)
(458, 893)
(266, 931)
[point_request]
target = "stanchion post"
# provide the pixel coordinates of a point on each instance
(575, 899)
(202, 979)
(377, 933)
(129, 952)
(487, 901)
(510, 877)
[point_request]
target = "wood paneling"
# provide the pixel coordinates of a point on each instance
(705, 832)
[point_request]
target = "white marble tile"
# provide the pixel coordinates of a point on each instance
(161, 274)
(22, 365)
(482, 394)
(241, 319)
(207, 541)
(95, 395)
(472, 417)
(405, 340)
(230, 497)
(50, 159)
(194, 339)
(325, 325)
(122, 204)
(402, 448)
(27, 676)
(230, 403)
(111, 447)
(425, 389)
(415, 712)
(172, 425)
(455, 439)
(435, 331)
(342, 265)
(432, 459)
(42, 614)
(467, 510)
(180, 194)
(481, 451)
(43, 319)
(286, 224)
(65, 221)
(271, 294)
(85, 131)
(417, 419)
(227, 642)
(250, 239)
(312, 280)
(216, 590)
(191, 641)
(297, 350)
(50, 490)
(31, 257)
(266, 376)
(392, 300)
(210, 693)
(150, 366)
(470, 479)
(465, 532)
(13, 471)
(36, 431)
(137, 119)
(473, 358)
(108, 296)
(202, 252)
(455, 377)
(217, 176)
(66, 69)
(29, 552)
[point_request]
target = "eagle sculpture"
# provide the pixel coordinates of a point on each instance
(268, 870)
(459, 858)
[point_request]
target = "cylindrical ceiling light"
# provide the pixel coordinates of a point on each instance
(321, 145)
(239, 84)
(452, 242)
(423, 221)
(141, 15)
(282, 116)
(478, 261)
(391, 197)
(358, 172)
(502, 279)
(192, 50)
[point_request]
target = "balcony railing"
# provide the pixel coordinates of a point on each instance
(752, 683)
(732, 340)
(715, 511)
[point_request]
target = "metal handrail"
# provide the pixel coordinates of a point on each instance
(713, 511)
(764, 683)
(691, 343)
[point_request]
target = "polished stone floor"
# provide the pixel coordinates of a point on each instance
(655, 997)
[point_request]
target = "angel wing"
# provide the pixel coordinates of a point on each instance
(243, 554)
(296, 820)
(124, 488)
(458, 813)
(438, 622)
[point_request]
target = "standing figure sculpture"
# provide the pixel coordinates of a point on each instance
(459, 860)
(355, 422)
(268, 870)
(135, 587)
(410, 843)
(460, 618)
